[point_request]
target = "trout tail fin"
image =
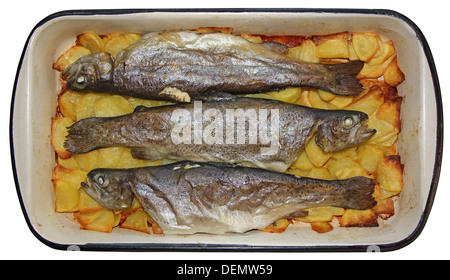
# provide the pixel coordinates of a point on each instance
(343, 78)
(81, 136)
(359, 193)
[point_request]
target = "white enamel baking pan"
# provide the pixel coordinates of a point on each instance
(34, 103)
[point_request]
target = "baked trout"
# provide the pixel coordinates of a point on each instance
(254, 132)
(189, 197)
(200, 64)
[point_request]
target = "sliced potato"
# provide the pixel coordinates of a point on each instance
(390, 112)
(347, 153)
(393, 75)
(308, 52)
(351, 171)
(351, 52)
(86, 204)
(326, 96)
(333, 48)
(315, 154)
(294, 52)
(69, 163)
(85, 107)
(103, 221)
(137, 221)
(111, 106)
(358, 218)
(115, 43)
(315, 100)
(384, 208)
(67, 103)
(321, 227)
(374, 71)
(335, 166)
(66, 196)
(110, 157)
(389, 174)
(133, 37)
(74, 177)
(91, 41)
(341, 101)
(386, 134)
(289, 95)
(369, 102)
(369, 156)
(58, 136)
(278, 226)
(304, 99)
(365, 45)
(87, 161)
(321, 214)
(134, 102)
(320, 173)
(303, 162)
(69, 57)
(384, 53)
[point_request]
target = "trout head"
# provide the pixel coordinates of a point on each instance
(110, 188)
(90, 73)
(343, 129)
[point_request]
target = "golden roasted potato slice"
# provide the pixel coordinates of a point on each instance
(390, 111)
(278, 226)
(393, 75)
(112, 106)
(333, 48)
(252, 38)
(389, 174)
(303, 162)
(365, 45)
(110, 157)
(315, 154)
(103, 221)
(67, 103)
(316, 101)
(69, 57)
(384, 208)
(320, 214)
(66, 196)
(308, 52)
(133, 37)
(85, 107)
(137, 221)
(347, 153)
(69, 163)
(375, 71)
(115, 43)
(320, 39)
(91, 41)
(134, 102)
(298, 172)
(74, 177)
(58, 136)
(386, 50)
(351, 52)
(289, 95)
(369, 156)
(304, 99)
(369, 102)
(386, 134)
(336, 165)
(86, 204)
(351, 171)
(320, 173)
(87, 161)
(321, 227)
(358, 218)
(341, 101)
(326, 96)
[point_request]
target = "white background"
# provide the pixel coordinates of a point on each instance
(19, 18)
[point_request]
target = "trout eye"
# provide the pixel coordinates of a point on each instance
(81, 81)
(102, 180)
(348, 122)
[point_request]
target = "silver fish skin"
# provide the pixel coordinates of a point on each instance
(218, 198)
(200, 64)
(148, 132)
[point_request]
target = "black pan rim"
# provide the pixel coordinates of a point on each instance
(148, 247)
